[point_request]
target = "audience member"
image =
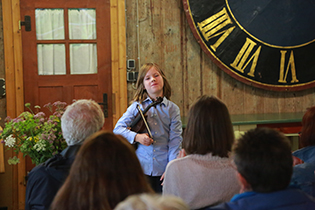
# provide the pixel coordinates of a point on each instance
(263, 160)
(152, 202)
(105, 171)
(205, 176)
(303, 174)
(80, 120)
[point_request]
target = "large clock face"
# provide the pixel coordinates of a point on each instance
(264, 43)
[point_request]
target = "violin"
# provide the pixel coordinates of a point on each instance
(139, 124)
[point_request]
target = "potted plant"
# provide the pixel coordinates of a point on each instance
(35, 134)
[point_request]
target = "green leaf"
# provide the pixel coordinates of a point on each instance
(13, 161)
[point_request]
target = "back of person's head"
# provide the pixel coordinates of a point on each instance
(263, 158)
(152, 202)
(105, 171)
(308, 128)
(209, 128)
(80, 120)
(172, 203)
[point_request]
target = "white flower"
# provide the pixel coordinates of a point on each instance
(10, 141)
(40, 146)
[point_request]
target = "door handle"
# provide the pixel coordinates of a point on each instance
(26, 23)
(105, 105)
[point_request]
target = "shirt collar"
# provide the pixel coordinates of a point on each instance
(70, 151)
(164, 102)
(242, 195)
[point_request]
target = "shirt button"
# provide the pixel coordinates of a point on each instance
(155, 132)
(155, 123)
(153, 158)
(153, 150)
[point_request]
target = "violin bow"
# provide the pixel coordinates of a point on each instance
(145, 122)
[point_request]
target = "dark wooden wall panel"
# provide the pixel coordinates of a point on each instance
(49, 95)
(165, 38)
(85, 92)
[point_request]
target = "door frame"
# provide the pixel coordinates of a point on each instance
(14, 74)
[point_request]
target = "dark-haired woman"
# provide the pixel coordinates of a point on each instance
(205, 176)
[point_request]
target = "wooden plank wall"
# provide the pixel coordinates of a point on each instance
(157, 31)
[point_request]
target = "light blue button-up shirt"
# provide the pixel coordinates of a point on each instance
(166, 128)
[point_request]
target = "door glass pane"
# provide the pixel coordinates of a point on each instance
(83, 59)
(51, 59)
(49, 24)
(82, 23)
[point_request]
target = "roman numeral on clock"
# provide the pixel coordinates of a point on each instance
(291, 66)
(210, 27)
(241, 61)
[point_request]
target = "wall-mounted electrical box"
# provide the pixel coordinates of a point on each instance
(131, 64)
(132, 76)
(2, 87)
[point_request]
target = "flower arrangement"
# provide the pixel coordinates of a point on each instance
(34, 134)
